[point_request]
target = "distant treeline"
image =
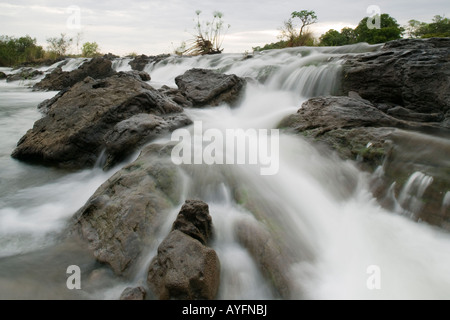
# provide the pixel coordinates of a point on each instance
(24, 50)
(388, 30)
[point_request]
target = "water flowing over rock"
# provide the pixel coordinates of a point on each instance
(140, 62)
(89, 117)
(185, 268)
(24, 74)
(206, 87)
(123, 215)
(97, 68)
(398, 100)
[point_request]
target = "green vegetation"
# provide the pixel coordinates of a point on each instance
(292, 35)
(208, 38)
(58, 47)
(90, 50)
(15, 51)
(389, 30)
(440, 27)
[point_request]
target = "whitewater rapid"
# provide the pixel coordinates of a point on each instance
(345, 245)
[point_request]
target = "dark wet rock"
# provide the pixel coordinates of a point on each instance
(24, 74)
(410, 73)
(140, 62)
(122, 217)
(97, 68)
(184, 267)
(204, 87)
(130, 293)
(72, 134)
(134, 132)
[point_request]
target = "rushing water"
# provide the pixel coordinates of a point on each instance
(319, 206)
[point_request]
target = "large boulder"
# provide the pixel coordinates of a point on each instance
(203, 87)
(123, 216)
(97, 68)
(185, 268)
(85, 120)
(411, 73)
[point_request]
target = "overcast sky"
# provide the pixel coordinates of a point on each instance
(158, 26)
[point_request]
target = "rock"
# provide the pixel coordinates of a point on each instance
(122, 217)
(406, 114)
(129, 293)
(24, 74)
(195, 221)
(110, 56)
(132, 133)
(97, 68)
(2, 75)
(267, 254)
(411, 73)
(176, 96)
(207, 87)
(184, 267)
(140, 62)
(72, 134)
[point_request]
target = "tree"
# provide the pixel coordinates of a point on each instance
(59, 46)
(335, 38)
(16, 51)
(90, 49)
(298, 36)
(440, 27)
(208, 38)
(389, 30)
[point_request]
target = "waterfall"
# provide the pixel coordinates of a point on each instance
(319, 208)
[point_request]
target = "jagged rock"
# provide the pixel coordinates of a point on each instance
(137, 293)
(132, 133)
(207, 87)
(140, 62)
(122, 217)
(24, 74)
(72, 132)
(185, 268)
(411, 73)
(97, 68)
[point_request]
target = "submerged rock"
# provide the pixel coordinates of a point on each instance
(206, 87)
(89, 117)
(185, 268)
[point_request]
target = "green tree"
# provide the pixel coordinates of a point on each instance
(336, 38)
(297, 35)
(15, 51)
(59, 46)
(90, 49)
(440, 27)
(389, 30)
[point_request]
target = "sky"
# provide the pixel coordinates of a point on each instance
(159, 26)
